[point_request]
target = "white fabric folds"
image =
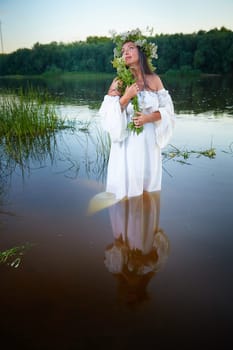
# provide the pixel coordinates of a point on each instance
(164, 127)
(135, 163)
(114, 120)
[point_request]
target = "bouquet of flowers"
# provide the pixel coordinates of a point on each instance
(126, 78)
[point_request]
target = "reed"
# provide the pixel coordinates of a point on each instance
(175, 152)
(28, 126)
(103, 145)
(27, 114)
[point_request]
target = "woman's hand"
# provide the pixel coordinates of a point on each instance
(113, 91)
(114, 88)
(139, 119)
(131, 91)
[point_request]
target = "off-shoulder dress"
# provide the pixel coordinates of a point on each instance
(135, 161)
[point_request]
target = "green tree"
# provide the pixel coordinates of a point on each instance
(209, 52)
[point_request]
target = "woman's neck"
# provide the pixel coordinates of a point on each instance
(136, 71)
(140, 79)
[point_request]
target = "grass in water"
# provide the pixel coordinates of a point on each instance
(175, 152)
(13, 256)
(27, 114)
(28, 125)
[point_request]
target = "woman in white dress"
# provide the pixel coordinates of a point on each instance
(135, 161)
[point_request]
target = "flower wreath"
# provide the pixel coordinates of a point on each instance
(136, 36)
(124, 74)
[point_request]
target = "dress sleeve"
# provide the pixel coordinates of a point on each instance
(164, 127)
(113, 119)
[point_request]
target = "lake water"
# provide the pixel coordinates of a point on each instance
(158, 266)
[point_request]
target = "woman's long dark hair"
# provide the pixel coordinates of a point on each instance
(145, 68)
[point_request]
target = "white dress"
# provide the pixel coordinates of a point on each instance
(135, 161)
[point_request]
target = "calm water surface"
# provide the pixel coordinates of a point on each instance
(159, 265)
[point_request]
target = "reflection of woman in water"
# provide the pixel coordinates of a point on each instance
(139, 248)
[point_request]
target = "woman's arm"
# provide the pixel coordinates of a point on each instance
(129, 93)
(140, 119)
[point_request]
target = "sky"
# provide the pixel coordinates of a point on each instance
(26, 22)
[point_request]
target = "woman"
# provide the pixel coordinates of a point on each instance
(135, 161)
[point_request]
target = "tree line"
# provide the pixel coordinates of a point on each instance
(205, 51)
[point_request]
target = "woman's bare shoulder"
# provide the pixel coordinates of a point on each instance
(155, 82)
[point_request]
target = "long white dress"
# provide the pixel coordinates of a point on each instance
(135, 161)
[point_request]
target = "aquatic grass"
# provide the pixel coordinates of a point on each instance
(94, 148)
(13, 256)
(83, 126)
(175, 152)
(28, 126)
(27, 114)
(102, 146)
(230, 151)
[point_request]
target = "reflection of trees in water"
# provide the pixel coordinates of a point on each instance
(140, 248)
(190, 94)
(201, 94)
(74, 90)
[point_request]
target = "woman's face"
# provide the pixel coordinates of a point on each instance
(130, 53)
